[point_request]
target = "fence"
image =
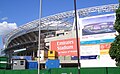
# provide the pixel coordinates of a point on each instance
(107, 70)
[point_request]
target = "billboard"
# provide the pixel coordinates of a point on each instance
(66, 47)
(97, 34)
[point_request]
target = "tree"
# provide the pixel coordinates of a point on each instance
(114, 51)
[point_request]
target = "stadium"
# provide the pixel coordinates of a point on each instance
(23, 41)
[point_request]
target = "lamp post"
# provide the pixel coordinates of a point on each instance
(77, 40)
(40, 15)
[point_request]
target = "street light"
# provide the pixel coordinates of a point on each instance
(77, 40)
(40, 15)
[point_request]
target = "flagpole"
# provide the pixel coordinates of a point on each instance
(77, 40)
(40, 15)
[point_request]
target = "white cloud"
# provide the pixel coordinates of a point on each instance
(7, 27)
(4, 18)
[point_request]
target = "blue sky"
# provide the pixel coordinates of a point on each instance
(23, 11)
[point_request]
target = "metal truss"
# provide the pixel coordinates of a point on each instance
(58, 19)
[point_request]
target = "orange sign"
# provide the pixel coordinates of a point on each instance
(65, 47)
(105, 46)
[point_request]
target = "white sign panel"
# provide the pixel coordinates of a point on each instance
(96, 35)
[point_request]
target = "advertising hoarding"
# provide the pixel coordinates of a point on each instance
(66, 47)
(97, 35)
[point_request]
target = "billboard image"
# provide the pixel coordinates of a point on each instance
(98, 25)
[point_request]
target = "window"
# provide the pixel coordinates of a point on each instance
(51, 52)
(21, 62)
